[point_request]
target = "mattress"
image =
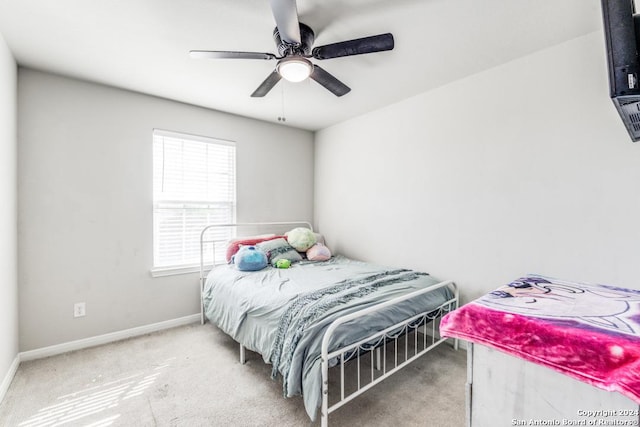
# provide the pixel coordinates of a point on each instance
(283, 313)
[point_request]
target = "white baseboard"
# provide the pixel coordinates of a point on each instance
(6, 382)
(53, 350)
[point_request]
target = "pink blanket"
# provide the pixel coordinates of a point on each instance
(589, 332)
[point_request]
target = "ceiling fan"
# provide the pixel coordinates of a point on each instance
(294, 41)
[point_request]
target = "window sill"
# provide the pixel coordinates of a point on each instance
(174, 271)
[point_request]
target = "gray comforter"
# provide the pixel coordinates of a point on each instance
(283, 313)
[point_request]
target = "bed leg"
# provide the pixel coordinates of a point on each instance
(201, 299)
(324, 409)
(243, 355)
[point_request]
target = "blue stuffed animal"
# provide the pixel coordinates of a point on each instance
(250, 258)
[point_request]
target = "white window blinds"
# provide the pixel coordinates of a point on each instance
(194, 185)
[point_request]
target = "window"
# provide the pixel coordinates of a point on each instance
(194, 185)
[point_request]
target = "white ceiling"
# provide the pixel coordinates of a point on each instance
(143, 45)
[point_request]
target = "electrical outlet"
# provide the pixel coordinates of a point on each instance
(79, 309)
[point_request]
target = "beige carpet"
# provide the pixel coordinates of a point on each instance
(190, 376)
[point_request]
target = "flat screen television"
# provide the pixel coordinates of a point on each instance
(621, 30)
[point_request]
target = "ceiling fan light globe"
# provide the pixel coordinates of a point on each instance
(295, 69)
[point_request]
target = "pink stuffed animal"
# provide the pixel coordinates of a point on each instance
(318, 252)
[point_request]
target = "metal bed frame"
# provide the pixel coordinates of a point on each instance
(388, 350)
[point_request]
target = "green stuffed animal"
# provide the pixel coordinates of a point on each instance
(283, 263)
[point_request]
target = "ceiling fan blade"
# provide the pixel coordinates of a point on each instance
(285, 13)
(327, 80)
(224, 54)
(369, 44)
(267, 85)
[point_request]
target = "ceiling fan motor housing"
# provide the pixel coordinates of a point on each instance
(307, 38)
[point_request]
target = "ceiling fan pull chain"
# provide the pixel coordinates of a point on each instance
(282, 118)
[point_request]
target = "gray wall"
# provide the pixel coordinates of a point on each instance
(85, 202)
(8, 212)
(525, 168)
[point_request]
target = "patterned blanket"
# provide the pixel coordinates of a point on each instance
(307, 309)
(588, 332)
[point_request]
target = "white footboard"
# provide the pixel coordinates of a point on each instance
(393, 342)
